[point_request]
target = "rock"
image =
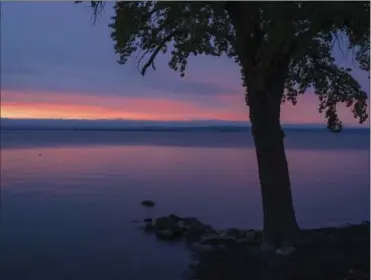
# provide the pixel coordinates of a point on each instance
(215, 240)
(209, 230)
(148, 220)
(285, 251)
(253, 237)
(174, 218)
(266, 248)
(163, 223)
(250, 235)
(177, 230)
(148, 203)
(184, 226)
(194, 229)
(193, 234)
(243, 240)
(165, 233)
(200, 248)
(191, 221)
(232, 232)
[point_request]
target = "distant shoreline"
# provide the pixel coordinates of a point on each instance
(171, 129)
(143, 125)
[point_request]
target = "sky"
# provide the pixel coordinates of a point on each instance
(55, 63)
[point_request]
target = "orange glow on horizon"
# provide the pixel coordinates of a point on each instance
(84, 106)
(42, 105)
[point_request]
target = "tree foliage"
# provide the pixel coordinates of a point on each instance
(304, 32)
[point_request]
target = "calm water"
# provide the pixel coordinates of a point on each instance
(66, 214)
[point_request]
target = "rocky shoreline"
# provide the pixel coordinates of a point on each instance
(235, 253)
(197, 235)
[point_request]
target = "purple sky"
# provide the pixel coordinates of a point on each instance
(53, 50)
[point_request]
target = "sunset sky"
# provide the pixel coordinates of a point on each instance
(56, 64)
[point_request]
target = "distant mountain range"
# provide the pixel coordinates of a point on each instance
(105, 124)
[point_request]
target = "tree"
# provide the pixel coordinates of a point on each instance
(283, 48)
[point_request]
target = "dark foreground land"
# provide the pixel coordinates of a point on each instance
(341, 253)
(323, 254)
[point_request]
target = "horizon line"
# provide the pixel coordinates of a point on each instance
(12, 123)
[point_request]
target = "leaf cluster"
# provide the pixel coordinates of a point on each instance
(304, 32)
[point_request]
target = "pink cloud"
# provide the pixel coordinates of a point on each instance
(25, 104)
(81, 105)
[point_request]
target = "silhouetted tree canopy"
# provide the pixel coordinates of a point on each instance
(303, 32)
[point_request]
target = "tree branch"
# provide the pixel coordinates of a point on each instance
(97, 6)
(151, 60)
(141, 58)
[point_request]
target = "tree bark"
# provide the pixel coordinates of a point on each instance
(280, 226)
(265, 90)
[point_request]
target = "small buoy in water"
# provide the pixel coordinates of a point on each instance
(39, 155)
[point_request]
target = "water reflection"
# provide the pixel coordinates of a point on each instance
(66, 213)
(191, 180)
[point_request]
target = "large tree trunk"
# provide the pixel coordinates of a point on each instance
(280, 226)
(265, 90)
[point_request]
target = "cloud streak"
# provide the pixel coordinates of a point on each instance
(85, 106)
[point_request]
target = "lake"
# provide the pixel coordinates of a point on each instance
(68, 198)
